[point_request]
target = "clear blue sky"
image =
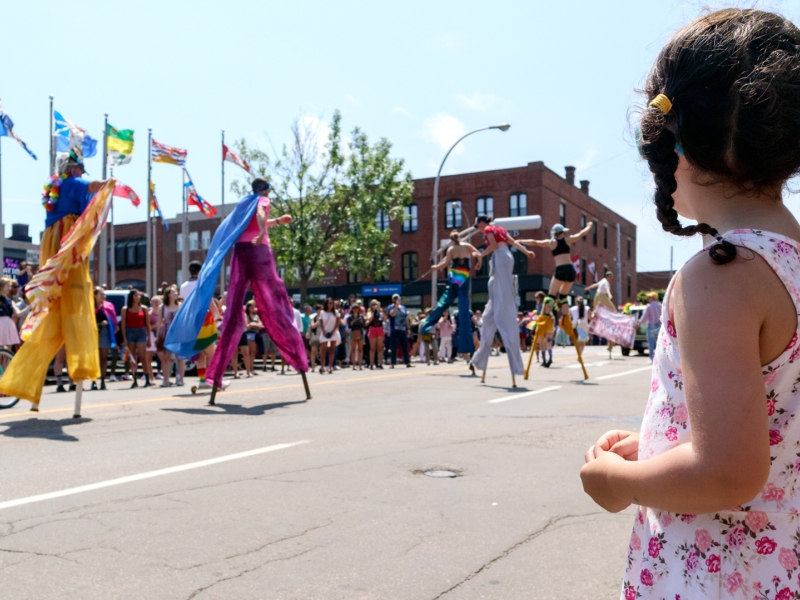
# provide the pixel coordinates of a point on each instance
(418, 73)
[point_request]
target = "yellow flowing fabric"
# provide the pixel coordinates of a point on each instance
(62, 304)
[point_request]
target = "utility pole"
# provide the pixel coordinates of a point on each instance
(103, 270)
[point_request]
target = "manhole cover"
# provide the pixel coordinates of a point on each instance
(439, 473)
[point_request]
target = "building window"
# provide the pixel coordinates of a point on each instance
(141, 253)
(409, 266)
(562, 213)
(356, 277)
(583, 223)
(385, 277)
(179, 247)
(605, 237)
(205, 239)
(382, 220)
(485, 206)
(410, 218)
(584, 281)
(520, 262)
(594, 233)
(518, 205)
(179, 277)
(629, 248)
(193, 241)
(130, 253)
(452, 214)
(629, 286)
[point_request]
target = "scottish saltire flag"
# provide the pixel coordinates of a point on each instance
(195, 199)
(229, 156)
(167, 154)
(7, 129)
(123, 191)
(68, 135)
(119, 145)
(154, 208)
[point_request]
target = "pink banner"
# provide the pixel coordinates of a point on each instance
(620, 329)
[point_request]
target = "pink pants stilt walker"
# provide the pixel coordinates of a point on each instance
(256, 265)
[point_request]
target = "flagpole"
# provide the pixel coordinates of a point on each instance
(222, 169)
(113, 282)
(103, 276)
(148, 254)
(152, 225)
(52, 142)
(185, 235)
(2, 227)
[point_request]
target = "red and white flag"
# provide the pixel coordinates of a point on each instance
(123, 191)
(576, 263)
(230, 156)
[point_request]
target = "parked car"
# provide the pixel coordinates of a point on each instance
(640, 341)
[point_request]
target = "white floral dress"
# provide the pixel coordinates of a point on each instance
(751, 552)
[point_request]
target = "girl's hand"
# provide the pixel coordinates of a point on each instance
(258, 239)
(594, 476)
(530, 253)
(623, 443)
(284, 219)
(103, 323)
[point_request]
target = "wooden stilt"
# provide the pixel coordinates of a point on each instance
(513, 381)
(483, 379)
(212, 399)
(566, 325)
(530, 356)
(76, 413)
(305, 385)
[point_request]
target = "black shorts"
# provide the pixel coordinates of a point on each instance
(565, 273)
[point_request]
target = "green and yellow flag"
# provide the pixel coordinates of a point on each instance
(119, 144)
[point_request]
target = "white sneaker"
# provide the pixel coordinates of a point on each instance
(179, 382)
(204, 385)
(166, 383)
(113, 378)
(159, 376)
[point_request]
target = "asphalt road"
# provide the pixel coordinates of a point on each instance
(154, 494)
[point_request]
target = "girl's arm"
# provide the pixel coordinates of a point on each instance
(122, 323)
(575, 237)
(541, 243)
(521, 248)
(727, 461)
(445, 261)
(491, 247)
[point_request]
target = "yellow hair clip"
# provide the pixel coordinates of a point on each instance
(662, 103)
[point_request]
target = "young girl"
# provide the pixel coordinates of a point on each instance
(135, 325)
(329, 336)
(715, 468)
(375, 335)
(355, 321)
(8, 315)
(168, 311)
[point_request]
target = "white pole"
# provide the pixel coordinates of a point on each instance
(103, 269)
(435, 216)
(619, 266)
(76, 413)
(185, 236)
(148, 277)
(52, 142)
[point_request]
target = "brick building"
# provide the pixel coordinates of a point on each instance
(530, 190)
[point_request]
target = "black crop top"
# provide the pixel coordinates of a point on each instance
(459, 262)
(562, 247)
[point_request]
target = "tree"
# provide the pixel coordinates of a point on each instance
(335, 199)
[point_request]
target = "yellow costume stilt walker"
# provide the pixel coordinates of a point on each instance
(62, 306)
(544, 325)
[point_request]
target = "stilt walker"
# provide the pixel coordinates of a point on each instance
(566, 325)
(253, 263)
(458, 259)
(501, 311)
(544, 326)
(62, 306)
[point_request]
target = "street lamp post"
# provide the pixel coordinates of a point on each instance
(501, 127)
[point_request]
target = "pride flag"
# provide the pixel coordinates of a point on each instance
(458, 275)
(119, 144)
(167, 154)
(196, 199)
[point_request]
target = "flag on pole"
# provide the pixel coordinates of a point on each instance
(167, 154)
(123, 191)
(68, 135)
(229, 156)
(119, 144)
(193, 198)
(154, 208)
(620, 329)
(576, 264)
(7, 129)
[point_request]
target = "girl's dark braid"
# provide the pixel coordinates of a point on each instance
(659, 150)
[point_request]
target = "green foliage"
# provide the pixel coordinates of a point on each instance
(334, 199)
(641, 297)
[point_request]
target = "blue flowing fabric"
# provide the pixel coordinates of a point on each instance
(185, 328)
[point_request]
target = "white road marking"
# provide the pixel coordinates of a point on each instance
(589, 364)
(147, 475)
(650, 368)
(516, 396)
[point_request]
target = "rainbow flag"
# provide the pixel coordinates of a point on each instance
(208, 333)
(167, 154)
(458, 275)
(154, 208)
